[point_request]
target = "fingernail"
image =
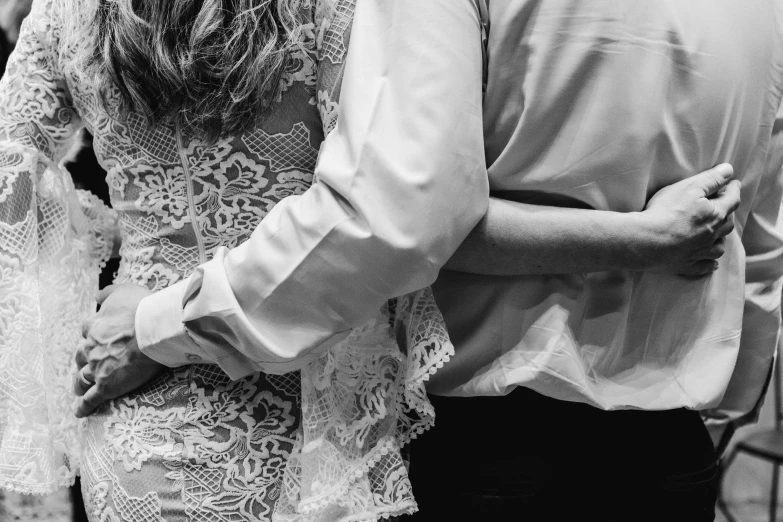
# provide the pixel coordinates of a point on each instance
(725, 170)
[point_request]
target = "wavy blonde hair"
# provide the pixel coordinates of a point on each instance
(212, 67)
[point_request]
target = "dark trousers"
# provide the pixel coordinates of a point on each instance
(531, 458)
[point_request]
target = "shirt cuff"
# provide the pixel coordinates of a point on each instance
(160, 333)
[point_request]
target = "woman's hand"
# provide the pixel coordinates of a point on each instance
(109, 361)
(688, 222)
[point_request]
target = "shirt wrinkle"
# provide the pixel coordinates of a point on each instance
(607, 102)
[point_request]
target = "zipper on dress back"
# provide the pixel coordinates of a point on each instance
(202, 253)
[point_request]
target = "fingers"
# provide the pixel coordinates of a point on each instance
(725, 228)
(711, 181)
(717, 250)
(90, 401)
(83, 381)
(729, 200)
(87, 326)
(699, 268)
(81, 357)
(104, 293)
(95, 396)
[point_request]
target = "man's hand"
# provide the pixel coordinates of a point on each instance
(690, 221)
(109, 361)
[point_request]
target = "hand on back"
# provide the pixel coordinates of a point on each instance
(690, 220)
(109, 361)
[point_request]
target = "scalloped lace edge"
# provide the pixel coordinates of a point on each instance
(37, 489)
(103, 221)
(384, 514)
(310, 506)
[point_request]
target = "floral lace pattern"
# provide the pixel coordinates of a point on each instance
(50, 252)
(362, 401)
(193, 445)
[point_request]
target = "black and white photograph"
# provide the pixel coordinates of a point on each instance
(391, 260)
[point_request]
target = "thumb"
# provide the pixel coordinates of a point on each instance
(711, 181)
(104, 293)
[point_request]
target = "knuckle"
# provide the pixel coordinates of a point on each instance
(98, 353)
(712, 175)
(703, 205)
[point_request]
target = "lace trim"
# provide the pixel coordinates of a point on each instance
(363, 401)
(102, 225)
(38, 489)
(47, 289)
(429, 349)
(47, 275)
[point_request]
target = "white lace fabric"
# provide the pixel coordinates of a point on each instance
(361, 402)
(192, 431)
(50, 252)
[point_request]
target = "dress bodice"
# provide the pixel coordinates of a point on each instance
(179, 199)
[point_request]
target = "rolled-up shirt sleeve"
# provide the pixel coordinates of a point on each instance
(401, 181)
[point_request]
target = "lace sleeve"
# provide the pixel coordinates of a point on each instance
(364, 399)
(48, 275)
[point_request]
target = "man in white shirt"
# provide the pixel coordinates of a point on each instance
(602, 103)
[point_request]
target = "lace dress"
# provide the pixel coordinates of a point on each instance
(193, 445)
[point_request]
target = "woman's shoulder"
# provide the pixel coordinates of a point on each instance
(70, 15)
(333, 21)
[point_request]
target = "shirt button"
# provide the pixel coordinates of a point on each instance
(192, 357)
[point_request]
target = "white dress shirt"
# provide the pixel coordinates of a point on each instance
(607, 102)
(401, 182)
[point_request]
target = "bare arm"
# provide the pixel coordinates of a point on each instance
(681, 231)
(522, 239)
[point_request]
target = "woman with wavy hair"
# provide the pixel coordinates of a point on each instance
(208, 116)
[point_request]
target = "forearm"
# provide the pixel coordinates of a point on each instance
(401, 181)
(522, 239)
